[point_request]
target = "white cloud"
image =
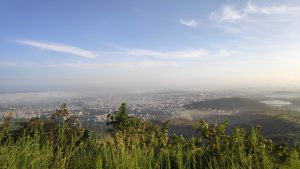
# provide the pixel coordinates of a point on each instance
(271, 22)
(231, 29)
(283, 9)
(146, 64)
(120, 65)
(225, 53)
(196, 53)
(227, 14)
(63, 48)
(188, 22)
(253, 12)
(179, 54)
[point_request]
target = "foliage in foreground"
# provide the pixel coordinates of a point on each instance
(61, 142)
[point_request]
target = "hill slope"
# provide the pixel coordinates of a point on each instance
(233, 103)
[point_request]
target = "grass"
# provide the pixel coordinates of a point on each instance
(137, 144)
(106, 153)
(28, 154)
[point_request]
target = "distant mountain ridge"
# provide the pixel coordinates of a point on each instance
(233, 103)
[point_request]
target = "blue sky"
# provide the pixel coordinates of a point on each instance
(73, 43)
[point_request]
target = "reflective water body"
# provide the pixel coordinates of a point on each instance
(278, 103)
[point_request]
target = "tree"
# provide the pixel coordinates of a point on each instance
(120, 120)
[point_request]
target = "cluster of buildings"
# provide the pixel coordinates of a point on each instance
(145, 106)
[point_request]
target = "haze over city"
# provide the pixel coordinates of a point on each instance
(47, 45)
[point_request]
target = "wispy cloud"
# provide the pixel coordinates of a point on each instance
(98, 66)
(227, 14)
(269, 10)
(63, 48)
(252, 12)
(195, 53)
(188, 22)
(255, 19)
(136, 65)
(223, 53)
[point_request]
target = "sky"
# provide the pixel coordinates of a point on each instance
(64, 44)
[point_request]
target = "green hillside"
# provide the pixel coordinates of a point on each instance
(233, 103)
